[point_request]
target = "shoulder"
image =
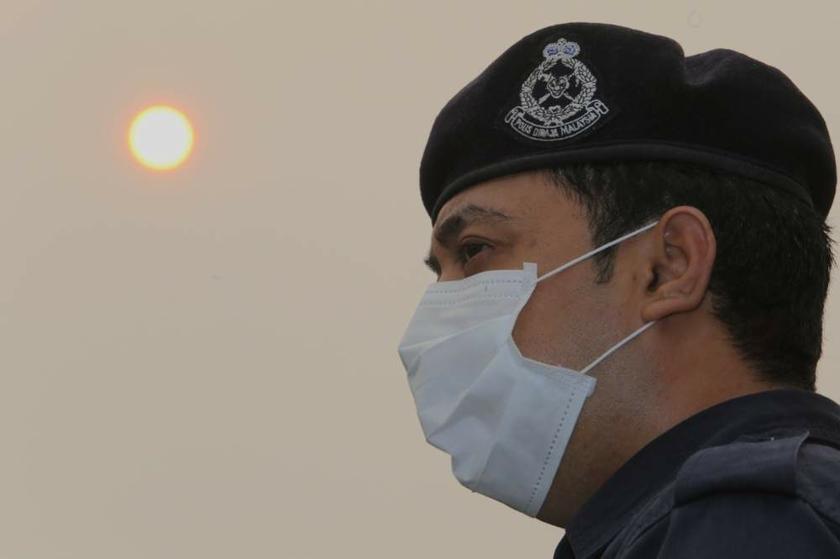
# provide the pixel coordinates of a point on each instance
(781, 462)
(749, 524)
(774, 494)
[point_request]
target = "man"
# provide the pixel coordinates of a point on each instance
(632, 263)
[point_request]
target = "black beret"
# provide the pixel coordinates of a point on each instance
(586, 92)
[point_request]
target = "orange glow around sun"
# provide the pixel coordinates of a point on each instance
(160, 137)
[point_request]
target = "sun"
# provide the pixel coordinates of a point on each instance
(160, 137)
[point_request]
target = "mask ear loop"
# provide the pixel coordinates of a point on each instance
(591, 253)
(617, 346)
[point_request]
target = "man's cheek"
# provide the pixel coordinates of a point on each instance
(532, 327)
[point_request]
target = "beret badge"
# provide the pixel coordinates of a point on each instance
(557, 99)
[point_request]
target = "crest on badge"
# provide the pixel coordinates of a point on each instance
(557, 100)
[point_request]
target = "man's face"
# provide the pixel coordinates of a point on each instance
(502, 223)
(571, 320)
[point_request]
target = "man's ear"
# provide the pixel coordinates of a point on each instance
(681, 262)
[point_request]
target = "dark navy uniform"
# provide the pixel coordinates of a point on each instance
(755, 476)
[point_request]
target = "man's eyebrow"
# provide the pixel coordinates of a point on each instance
(449, 228)
(466, 215)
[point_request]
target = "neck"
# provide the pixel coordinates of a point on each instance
(633, 404)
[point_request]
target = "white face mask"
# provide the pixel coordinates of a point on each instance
(504, 419)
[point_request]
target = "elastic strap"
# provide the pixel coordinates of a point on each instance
(591, 253)
(617, 346)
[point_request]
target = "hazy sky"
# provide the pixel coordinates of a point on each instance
(203, 364)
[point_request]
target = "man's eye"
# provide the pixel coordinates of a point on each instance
(469, 250)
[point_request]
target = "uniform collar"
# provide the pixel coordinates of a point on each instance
(601, 518)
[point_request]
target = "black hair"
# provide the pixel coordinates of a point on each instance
(774, 253)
